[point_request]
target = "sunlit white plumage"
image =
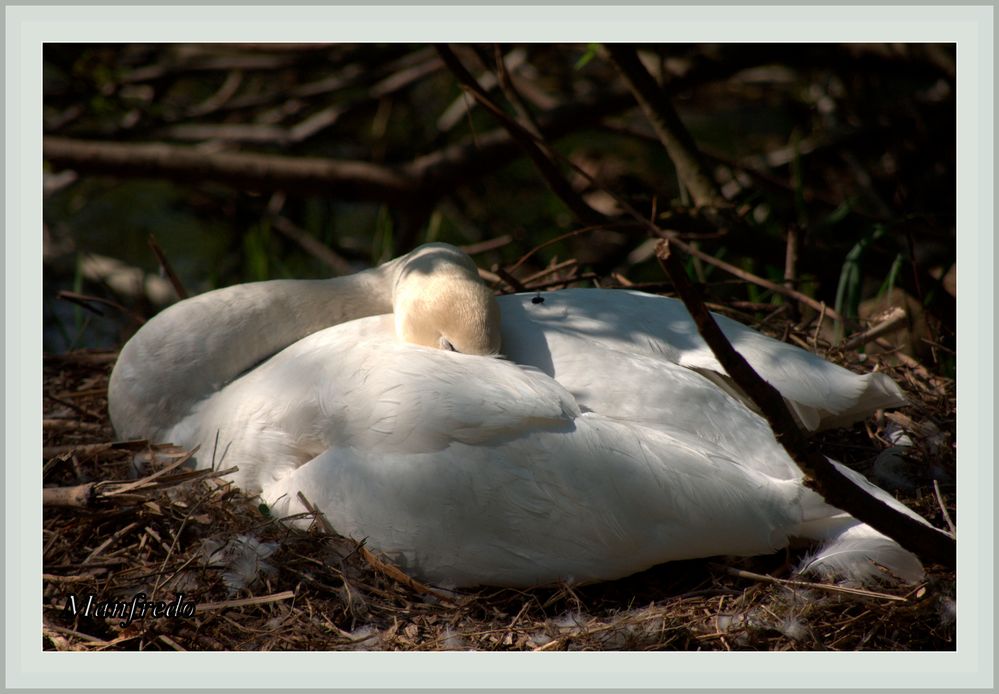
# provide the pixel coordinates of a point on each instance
(604, 443)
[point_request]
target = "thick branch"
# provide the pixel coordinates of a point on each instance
(80, 496)
(926, 542)
(426, 178)
(355, 179)
(93, 496)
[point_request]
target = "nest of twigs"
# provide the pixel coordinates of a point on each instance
(129, 519)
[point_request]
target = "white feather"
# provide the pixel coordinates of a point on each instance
(243, 560)
(861, 555)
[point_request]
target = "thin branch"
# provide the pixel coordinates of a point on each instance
(513, 96)
(895, 319)
(245, 602)
(749, 276)
(487, 245)
(820, 474)
(561, 237)
(845, 590)
(565, 281)
(791, 264)
(311, 245)
(384, 568)
(70, 425)
(220, 98)
(308, 242)
(542, 160)
(82, 410)
(409, 73)
(459, 107)
(659, 111)
(943, 508)
(168, 270)
(145, 481)
(84, 300)
(79, 300)
(551, 269)
(511, 281)
(207, 63)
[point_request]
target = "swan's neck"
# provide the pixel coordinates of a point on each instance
(195, 347)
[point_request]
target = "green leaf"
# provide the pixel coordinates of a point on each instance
(382, 243)
(592, 50)
(889, 282)
(851, 275)
(255, 243)
(839, 214)
(434, 226)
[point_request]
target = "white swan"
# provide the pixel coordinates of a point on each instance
(605, 443)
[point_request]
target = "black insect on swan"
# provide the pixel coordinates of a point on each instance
(605, 441)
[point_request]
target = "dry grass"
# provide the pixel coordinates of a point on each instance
(315, 591)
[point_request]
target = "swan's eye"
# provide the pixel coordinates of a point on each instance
(446, 345)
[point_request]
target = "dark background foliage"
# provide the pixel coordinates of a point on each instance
(851, 145)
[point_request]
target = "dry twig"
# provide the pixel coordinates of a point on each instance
(844, 590)
(393, 572)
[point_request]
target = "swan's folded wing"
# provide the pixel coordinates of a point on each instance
(357, 385)
(389, 396)
(599, 501)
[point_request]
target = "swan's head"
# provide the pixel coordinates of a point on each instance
(439, 301)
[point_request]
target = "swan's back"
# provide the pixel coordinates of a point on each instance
(597, 322)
